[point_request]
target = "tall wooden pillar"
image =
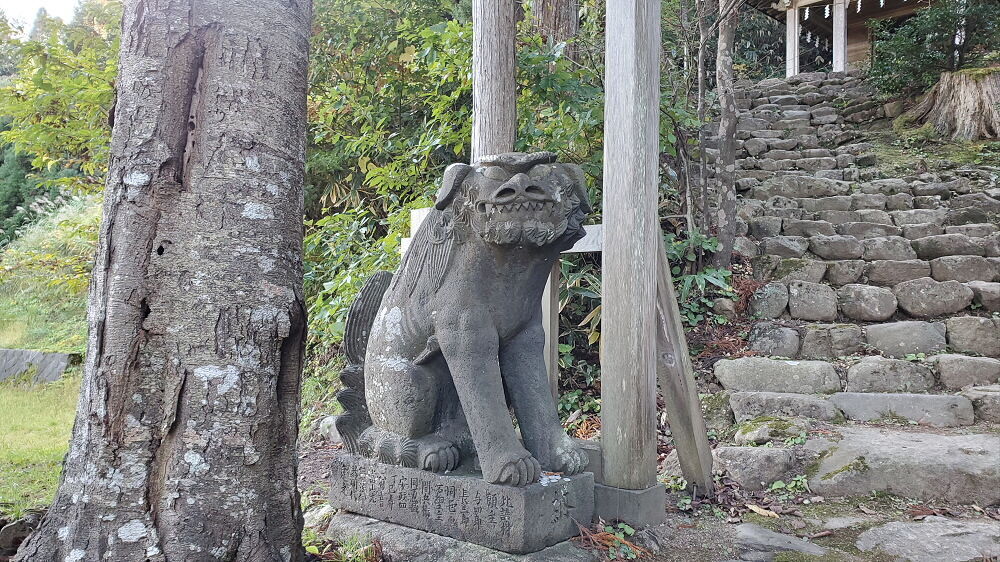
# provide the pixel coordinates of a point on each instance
(494, 92)
(839, 35)
(792, 32)
(631, 243)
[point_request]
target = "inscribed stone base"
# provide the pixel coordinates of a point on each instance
(638, 508)
(463, 505)
(403, 544)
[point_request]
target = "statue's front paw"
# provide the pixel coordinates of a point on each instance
(568, 457)
(516, 468)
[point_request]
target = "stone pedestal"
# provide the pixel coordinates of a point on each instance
(638, 508)
(463, 505)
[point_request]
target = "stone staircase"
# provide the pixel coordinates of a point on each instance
(877, 333)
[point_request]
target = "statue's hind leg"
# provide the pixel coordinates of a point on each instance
(402, 399)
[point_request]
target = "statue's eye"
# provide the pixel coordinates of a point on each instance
(496, 173)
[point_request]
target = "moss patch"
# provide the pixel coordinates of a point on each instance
(857, 465)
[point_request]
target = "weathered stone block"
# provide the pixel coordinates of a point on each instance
(888, 273)
(843, 272)
(959, 371)
(785, 246)
(926, 297)
(812, 301)
(973, 334)
(986, 295)
(767, 338)
(750, 405)
(466, 507)
(863, 302)
(962, 268)
(829, 341)
(887, 248)
(985, 402)
(931, 247)
(770, 375)
(798, 269)
(928, 409)
(898, 339)
(793, 227)
(865, 230)
(46, 367)
(922, 230)
(881, 374)
(835, 247)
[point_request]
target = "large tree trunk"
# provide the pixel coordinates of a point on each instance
(725, 172)
(184, 442)
(704, 26)
(494, 97)
(963, 105)
(557, 21)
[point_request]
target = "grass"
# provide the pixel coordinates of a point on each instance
(43, 280)
(35, 425)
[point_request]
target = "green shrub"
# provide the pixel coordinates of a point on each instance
(909, 57)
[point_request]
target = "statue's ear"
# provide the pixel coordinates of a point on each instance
(580, 185)
(454, 175)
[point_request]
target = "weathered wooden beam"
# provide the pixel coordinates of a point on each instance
(631, 233)
(677, 385)
(839, 35)
(494, 95)
(792, 32)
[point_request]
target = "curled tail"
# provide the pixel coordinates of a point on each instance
(360, 318)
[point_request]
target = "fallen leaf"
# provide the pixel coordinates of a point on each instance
(820, 534)
(761, 511)
(867, 510)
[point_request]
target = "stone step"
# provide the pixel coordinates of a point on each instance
(860, 460)
(850, 460)
(777, 236)
(977, 335)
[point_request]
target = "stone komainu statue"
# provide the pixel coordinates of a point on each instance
(438, 352)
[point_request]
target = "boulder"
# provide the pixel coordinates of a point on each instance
(835, 247)
(767, 338)
(772, 375)
(769, 301)
(812, 301)
(973, 334)
(959, 371)
(931, 247)
(926, 297)
(887, 248)
(888, 273)
(962, 268)
(985, 401)
(881, 374)
(898, 339)
(751, 405)
(925, 409)
(755, 468)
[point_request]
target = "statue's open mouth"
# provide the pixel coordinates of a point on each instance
(519, 206)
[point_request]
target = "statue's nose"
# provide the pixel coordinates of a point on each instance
(520, 187)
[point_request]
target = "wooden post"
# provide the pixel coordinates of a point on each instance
(839, 35)
(550, 323)
(631, 231)
(792, 32)
(677, 385)
(494, 118)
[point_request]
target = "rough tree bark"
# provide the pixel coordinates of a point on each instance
(963, 105)
(725, 171)
(558, 21)
(494, 116)
(184, 442)
(704, 26)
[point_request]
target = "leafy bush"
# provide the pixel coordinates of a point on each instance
(949, 35)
